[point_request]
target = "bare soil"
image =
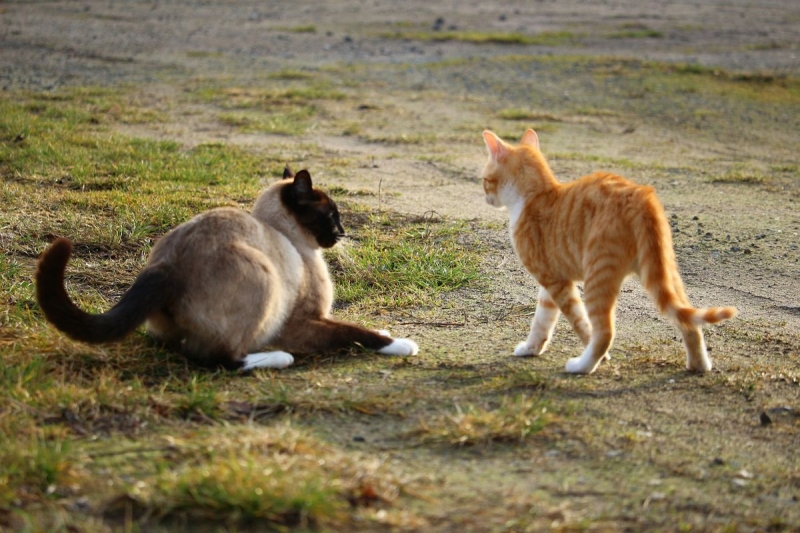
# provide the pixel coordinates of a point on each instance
(647, 446)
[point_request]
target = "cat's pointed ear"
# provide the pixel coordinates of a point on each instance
(531, 139)
(497, 147)
(287, 172)
(302, 183)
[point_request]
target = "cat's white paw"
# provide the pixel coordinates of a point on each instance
(525, 350)
(581, 365)
(701, 366)
(400, 347)
(267, 360)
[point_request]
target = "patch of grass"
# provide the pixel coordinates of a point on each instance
(401, 261)
(202, 54)
(291, 121)
(513, 419)
(290, 74)
(475, 37)
(527, 114)
(273, 476)
(267, 98)
(741, 176)
(308, 28)
(636, 31)
(338, 190)
(401, 139)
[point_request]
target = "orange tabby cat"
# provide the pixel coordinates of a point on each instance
(597, 229)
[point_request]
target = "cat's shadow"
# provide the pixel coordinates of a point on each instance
(153, 364)
(611, 388)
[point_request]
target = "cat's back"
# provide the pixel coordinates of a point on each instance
(606, 185)
(209, 237)
(610, 195)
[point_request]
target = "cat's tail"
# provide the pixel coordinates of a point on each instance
(658, 269)
(690, 316)
(152, 290)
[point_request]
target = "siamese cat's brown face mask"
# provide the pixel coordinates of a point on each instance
(313, 209)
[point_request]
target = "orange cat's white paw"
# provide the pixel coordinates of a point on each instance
(523, 349)
(701, 366)
(400, 347)
(582, 365)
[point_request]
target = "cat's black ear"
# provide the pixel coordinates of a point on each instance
(302, 183)
(287, 172)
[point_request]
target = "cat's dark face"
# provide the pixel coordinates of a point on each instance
(313, 209)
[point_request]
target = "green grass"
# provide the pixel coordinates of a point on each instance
(636, 31)
(401, 261)
(513, 419)
(741, 176)
(476, 37)
(308, 28)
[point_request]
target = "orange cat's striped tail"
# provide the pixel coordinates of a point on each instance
(658, 270)
(686, 316)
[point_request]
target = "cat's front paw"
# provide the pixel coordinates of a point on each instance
(528, 348)
(523, 349)
(267, 360)
(400, 347)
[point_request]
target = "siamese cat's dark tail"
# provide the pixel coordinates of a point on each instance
(153, 289)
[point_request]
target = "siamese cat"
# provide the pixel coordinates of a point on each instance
(228, 288)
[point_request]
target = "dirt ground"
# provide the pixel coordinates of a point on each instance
(725, 165)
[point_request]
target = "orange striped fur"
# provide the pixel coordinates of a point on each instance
(598, 230)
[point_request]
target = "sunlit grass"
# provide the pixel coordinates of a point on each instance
(513, 419)
(400, 261)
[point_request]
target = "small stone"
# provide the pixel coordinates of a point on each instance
(695, 217)
(359, 438)
(744, 474)
(764, 419)
(740, 482)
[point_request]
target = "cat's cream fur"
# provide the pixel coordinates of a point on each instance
(227, 285)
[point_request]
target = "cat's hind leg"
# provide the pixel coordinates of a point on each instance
(542, 326)
(329, 334)
(601, 292)
(697, 359)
